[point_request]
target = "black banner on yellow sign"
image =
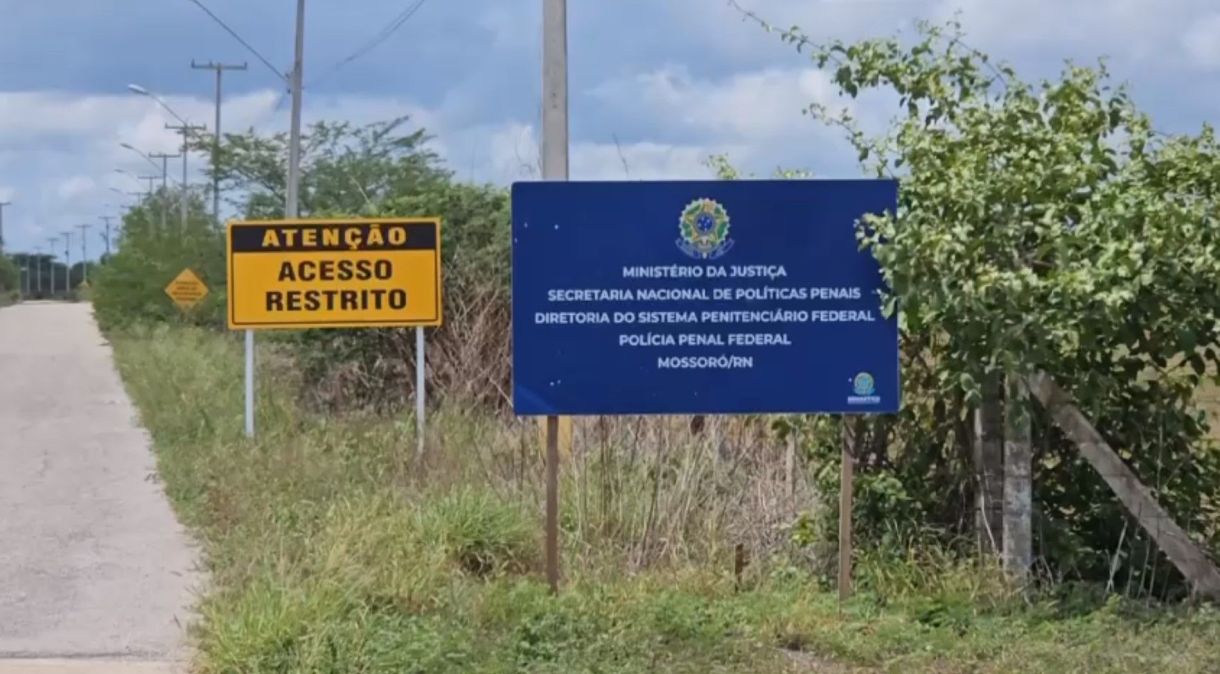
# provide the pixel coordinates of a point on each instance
(321, 273)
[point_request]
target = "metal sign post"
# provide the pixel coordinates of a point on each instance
(335, 273)
(420, 395)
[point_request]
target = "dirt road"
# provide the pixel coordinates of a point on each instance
(96, 574)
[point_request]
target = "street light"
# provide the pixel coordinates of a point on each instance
(186, 130)
(128, 146)
(129, 174)
(164, 166)
(129, 194)
(137, 89)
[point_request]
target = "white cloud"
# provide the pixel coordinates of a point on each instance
(728, 31)
(1202, 42)
(639, 161)
(751, 105)
(689, 79)
(75, 186)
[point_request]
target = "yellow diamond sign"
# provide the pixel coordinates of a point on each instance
(186, 290)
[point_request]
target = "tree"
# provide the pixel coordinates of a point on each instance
(130, 287)
(9, 273)
(345, 169)
(1041, 227)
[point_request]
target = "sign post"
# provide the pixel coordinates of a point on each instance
(697, 297)
(420, 397)
(334, 273)
(846, 474)
(554, 167)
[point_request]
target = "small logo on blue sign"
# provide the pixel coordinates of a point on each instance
(704, 226)
(864, 388)
(863, 384)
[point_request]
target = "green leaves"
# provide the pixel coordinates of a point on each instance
(1041, 226)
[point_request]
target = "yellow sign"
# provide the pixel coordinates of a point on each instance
(334, 273)
(186, 290)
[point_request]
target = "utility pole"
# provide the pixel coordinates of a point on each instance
(84, 253)
(294, 138)
(106, 237)
(38, 270)
(554, 167)
(2, 205)
(164, 181)
(220, 68)
(51, 262)
(291, 205)
(67, 260)
(151, 180)
(185, 128)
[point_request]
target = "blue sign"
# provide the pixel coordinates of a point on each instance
(706, 297)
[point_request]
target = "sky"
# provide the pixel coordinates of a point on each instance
(656, 86)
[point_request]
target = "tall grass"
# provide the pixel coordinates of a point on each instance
(333, 549)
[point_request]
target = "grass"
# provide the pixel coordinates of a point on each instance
(331, 549)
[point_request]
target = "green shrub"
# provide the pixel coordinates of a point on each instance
(130, 287)
(9, 275)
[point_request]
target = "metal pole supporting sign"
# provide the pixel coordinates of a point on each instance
(420, 393)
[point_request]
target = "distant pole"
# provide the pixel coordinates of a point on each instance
(554, 167)
(220, 68)
(84, 253)
(294, 138)
(185, 129)
(164, 157)
(106, 237)
(51, 262)
(38, 271)
(67, 260)
(2, 205)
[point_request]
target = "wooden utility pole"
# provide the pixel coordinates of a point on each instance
(554, 167)
(1018, 485)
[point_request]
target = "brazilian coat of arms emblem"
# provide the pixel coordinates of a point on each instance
(704, 226)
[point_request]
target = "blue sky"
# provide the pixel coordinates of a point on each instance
(656, 85)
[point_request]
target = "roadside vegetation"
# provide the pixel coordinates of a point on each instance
(332, 549)
(1042, 227)
(9, 280)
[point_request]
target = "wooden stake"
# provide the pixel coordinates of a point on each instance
(845, 506)
(552, 503)
(1187, 555)
(739, 564)
(790, 463)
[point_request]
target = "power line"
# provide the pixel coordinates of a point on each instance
(384, 34)
(247, 45)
